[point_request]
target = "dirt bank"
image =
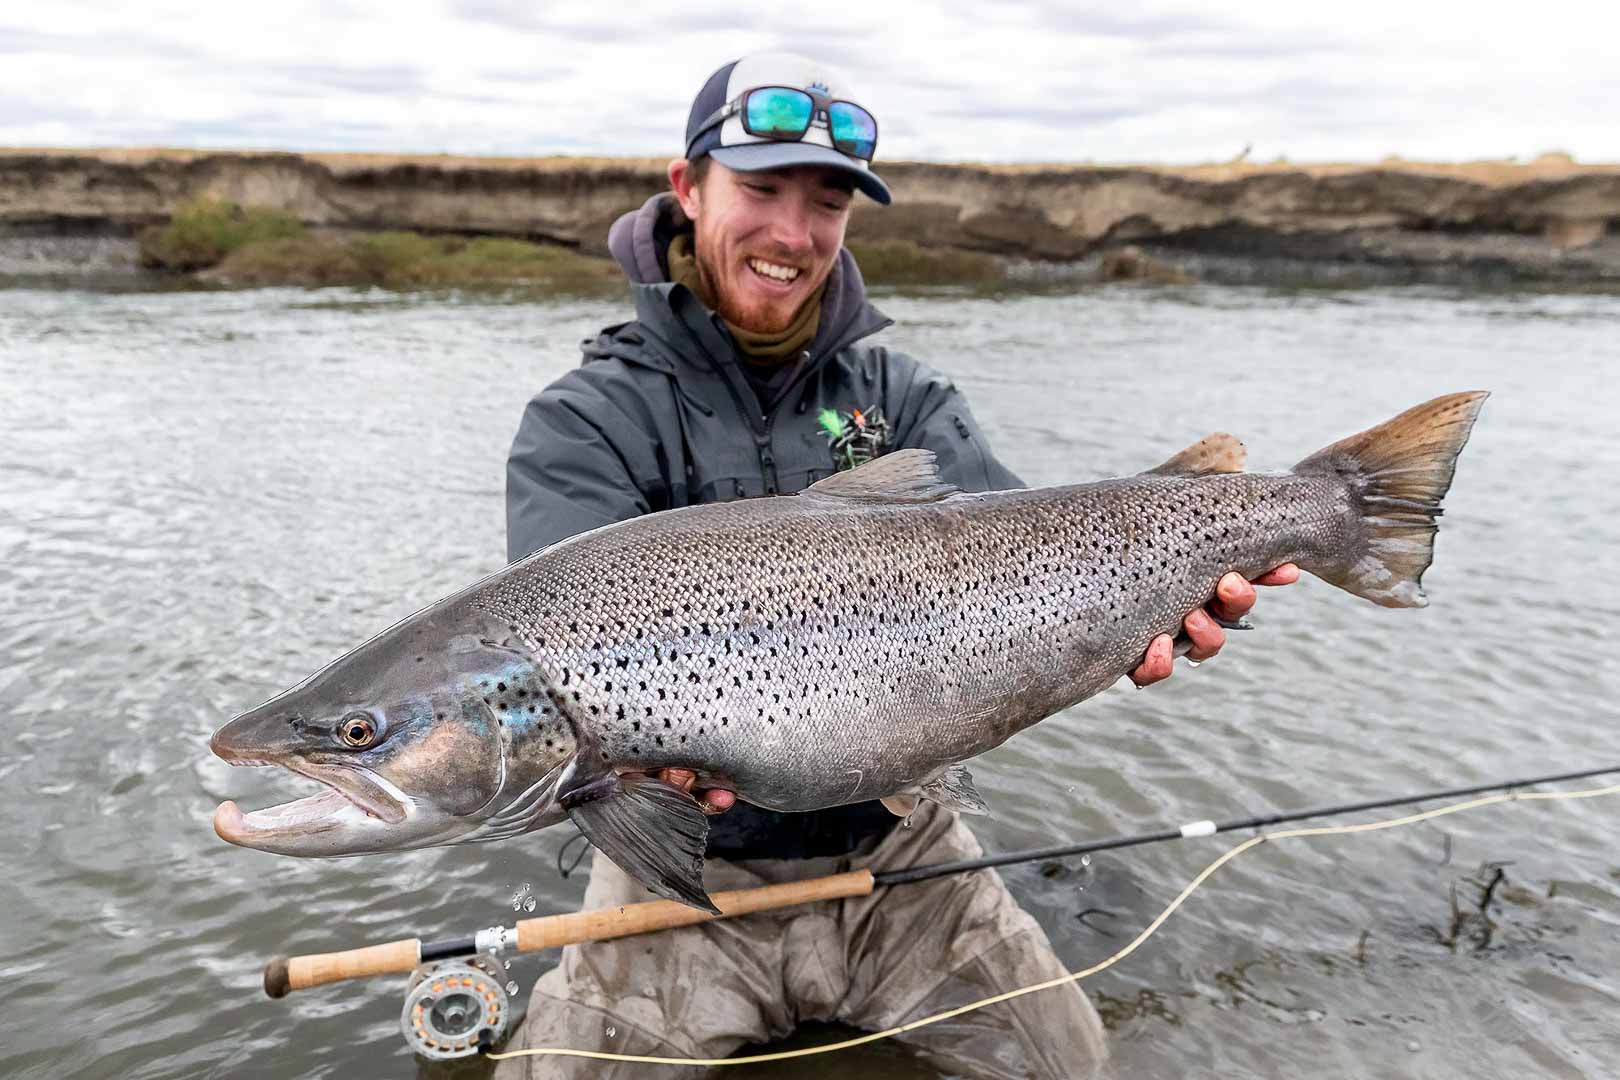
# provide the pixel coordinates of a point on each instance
(1552, 219)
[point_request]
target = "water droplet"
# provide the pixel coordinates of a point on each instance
(612, 1031)
(507, 964)
(1087, 874)
(1414, 1046)
(530, 904)
(511, 986)
(1193, 663)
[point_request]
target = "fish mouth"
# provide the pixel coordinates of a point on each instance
(355, 797)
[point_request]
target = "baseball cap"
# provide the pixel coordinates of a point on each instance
(732, 146)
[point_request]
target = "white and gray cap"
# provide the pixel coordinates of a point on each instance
(732, 146)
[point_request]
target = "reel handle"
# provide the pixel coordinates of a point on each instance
(602, 924)
(285, 974)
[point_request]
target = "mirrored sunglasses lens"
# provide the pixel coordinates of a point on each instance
(854, 131)
(778, 112)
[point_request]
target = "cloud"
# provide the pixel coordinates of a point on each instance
(392, 79)
(1031, 80)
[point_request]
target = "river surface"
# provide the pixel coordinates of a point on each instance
(206, 495)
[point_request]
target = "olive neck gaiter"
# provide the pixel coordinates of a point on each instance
(764, 349)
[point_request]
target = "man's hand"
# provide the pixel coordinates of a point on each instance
(1233, 599)
(713, 800)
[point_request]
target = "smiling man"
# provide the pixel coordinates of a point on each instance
(748, 372)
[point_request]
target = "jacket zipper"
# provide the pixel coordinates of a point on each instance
(745, 398)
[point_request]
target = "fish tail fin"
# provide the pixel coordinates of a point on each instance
(1396, 473)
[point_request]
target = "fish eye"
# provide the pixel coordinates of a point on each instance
(358, 730)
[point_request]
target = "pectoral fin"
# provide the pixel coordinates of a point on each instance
(654, 831)
(954, 790)
(900, 806)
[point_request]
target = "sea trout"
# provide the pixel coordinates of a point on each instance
(859, 640)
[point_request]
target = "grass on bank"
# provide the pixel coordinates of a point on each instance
(204, 231)
(405, 260)
(899, 263)
(236, 245)
(230, 244)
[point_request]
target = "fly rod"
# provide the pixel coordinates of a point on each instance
(285, 974)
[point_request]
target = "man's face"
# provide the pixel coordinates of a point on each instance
(765, 241)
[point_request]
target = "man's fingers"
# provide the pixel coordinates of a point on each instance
(717, 800)
(1158, 663)
(712, 800)
(1286, 574)
(1234, 596)
(681, 778)
(1206, 637)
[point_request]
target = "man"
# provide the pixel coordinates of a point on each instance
(747, 372)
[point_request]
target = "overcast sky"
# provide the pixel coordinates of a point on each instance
(1035, 81)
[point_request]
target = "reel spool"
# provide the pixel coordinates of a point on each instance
(451, 1004)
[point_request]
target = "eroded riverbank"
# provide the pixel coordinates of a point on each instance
(1548, 221)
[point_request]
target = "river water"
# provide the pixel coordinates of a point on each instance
(206, 495)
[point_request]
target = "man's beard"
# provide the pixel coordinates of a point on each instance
(756, 320)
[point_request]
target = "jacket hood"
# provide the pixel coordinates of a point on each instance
(639, 239)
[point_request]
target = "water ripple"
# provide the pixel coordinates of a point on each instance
(204, 496)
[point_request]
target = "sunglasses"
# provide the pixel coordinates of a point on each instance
(786, 115)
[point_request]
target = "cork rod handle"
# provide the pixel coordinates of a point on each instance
(282, 974)
(604, 923)
(285, 974)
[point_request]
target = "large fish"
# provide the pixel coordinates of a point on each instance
(857, 641)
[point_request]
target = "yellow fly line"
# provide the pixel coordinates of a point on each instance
(1073, 976)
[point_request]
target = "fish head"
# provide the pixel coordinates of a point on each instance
(437, 731)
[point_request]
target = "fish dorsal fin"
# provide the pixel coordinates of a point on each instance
(1217, 453)
(905, 476)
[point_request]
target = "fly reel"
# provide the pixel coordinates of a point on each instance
(454, 1008)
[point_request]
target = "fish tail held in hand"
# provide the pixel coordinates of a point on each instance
(1396, 473)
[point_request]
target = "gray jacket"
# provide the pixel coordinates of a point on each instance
(661, 414)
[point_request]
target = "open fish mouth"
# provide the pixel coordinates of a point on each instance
(354, 797)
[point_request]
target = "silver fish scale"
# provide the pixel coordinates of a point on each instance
(810, 651)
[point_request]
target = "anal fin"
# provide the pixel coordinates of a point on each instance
(654, 831)
(954, 790)
(901, 806)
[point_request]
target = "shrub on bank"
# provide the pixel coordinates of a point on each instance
(904, 263)
(410, 260)
(202, 232)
